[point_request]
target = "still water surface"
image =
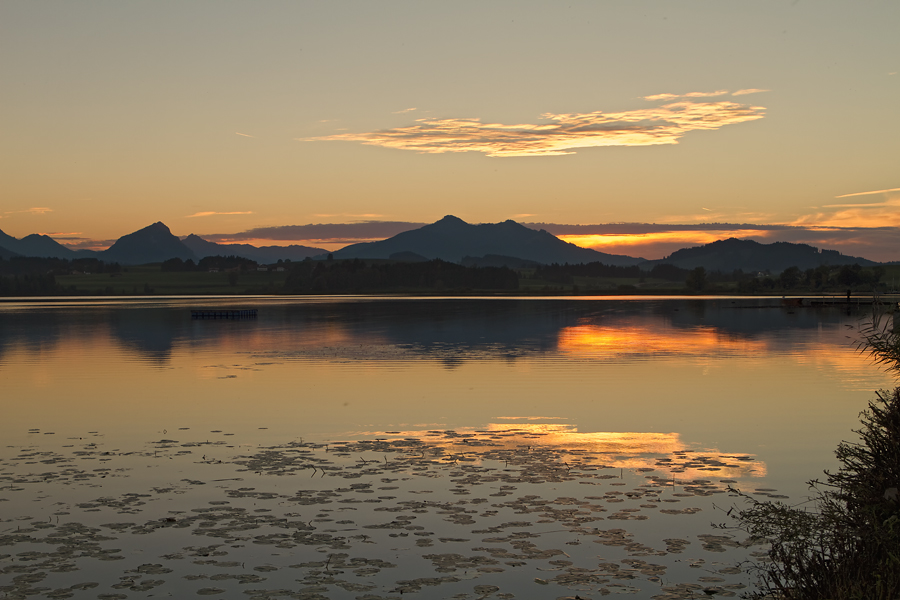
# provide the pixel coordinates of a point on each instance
(657, 392)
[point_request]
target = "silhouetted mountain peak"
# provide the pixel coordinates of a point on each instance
(153, 243)
(263, 254)
(750, 255)
(452, 239)
(35, 244)
(158, 228)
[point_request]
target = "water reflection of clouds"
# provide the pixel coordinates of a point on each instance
(650, 452)
(610, 341)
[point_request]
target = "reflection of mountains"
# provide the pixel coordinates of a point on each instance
(148, 332)
(452, 330)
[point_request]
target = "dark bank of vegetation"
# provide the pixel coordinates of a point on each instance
(846, 545)
(210, 263)
(21, 276)
(597, 276)
(31, 276)
(358, 276)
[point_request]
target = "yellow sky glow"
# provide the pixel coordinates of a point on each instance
(688, 238)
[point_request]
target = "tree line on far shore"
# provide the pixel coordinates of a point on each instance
(358, 275)
(820, 279)
(24, 276)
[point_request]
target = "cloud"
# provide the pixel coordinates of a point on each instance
(38, 210)
(79, 243)
(880, 242)
(211, 213)
(405, 110)
(749, 91)
(365, 216)
(868, 193)
(879, 214)
(346, 233)
(563, 134)
(244, 134)
(688, 95)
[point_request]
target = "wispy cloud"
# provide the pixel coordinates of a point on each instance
(365, 216)
(877, 214)
(868, 193)
(405, 110)
(38, 210)
(563, 134)
(688, 95)
(749, 91)
(347, 233)
(210, 213)
(244, 134)
(80, 243)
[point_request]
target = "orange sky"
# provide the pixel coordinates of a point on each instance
(224, 118)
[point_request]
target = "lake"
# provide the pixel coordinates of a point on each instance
(358, 447)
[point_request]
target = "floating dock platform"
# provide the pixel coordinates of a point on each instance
(224, 313)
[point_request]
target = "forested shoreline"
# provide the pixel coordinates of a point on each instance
(25, 276)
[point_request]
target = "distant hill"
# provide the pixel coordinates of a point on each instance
(154, 243)
(451, 239)
(263, 254)
(748, 255)
(4, 253)
(35, 245)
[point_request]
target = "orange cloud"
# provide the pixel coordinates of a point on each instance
(868, 193)
(38, 210)
(565, 133)
(211, 213)
(749, 91)
(876, 215)
(688, 95)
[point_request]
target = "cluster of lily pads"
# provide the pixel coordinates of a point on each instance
(489, 514)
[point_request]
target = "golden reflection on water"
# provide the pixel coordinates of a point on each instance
(786, 395)
(635, 339)
(636, 451)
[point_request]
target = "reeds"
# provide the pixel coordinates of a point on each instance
(845, 543)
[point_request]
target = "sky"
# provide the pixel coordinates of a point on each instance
(633, 127)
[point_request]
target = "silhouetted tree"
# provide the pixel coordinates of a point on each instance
(696, 280)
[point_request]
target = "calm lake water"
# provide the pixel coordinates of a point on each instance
(467, 448)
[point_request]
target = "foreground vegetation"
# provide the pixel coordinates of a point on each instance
(846, 546)
(235, 275)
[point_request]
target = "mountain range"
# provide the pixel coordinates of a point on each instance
(450, 239)
(748, 255)
(154, 243)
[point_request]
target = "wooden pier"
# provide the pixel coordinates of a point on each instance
(224, 313)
